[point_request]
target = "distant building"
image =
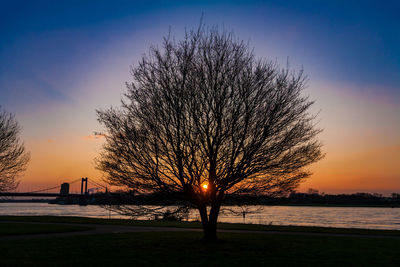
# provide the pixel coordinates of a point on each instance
(64, 191)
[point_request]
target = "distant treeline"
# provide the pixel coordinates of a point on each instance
(314, 198)
(311, 198)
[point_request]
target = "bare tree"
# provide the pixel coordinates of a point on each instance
(202, 118)
(13, 157)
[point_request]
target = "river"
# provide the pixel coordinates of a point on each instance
(348, 217)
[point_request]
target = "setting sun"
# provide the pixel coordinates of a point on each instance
(205, 186)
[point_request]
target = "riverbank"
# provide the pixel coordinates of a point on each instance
(347, 205)
(11, 228)
(196, 225)
(159, 243)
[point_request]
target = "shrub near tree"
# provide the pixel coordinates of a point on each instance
(204, 117)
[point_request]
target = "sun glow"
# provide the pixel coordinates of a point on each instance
(205, 186)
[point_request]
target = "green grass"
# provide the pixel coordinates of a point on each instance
(227, 226)
(187, 248)
(29, 228)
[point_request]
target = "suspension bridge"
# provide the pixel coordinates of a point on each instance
(63, 190)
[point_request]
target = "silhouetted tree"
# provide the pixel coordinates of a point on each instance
(13, 157)
(202, 118)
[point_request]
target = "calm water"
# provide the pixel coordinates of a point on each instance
(349, 217)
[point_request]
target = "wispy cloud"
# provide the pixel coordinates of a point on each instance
(95, 136)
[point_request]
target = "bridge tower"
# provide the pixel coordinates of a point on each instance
(64, 190)
(84, 180)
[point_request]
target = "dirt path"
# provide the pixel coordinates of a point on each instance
(115, 229)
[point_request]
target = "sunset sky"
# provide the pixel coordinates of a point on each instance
(62, 60)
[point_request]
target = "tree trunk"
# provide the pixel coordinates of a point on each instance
(209, 223)
(210, 233)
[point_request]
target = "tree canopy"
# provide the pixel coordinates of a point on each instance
(204, 117)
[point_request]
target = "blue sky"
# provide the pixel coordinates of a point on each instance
(61, 60)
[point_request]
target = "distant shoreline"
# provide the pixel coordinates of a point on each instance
(395, 205)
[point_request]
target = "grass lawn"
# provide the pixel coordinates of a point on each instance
(29, 228)
(228, 226)
(187, 248)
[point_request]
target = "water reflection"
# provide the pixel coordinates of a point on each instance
(349, 217)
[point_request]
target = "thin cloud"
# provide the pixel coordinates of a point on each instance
(93, 136)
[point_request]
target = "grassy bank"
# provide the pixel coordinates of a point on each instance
(187, 249)
(7, 229)
(226, 226)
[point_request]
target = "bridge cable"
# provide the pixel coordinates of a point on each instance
(54, 187)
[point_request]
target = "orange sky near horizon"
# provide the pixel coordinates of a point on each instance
(55, 161)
